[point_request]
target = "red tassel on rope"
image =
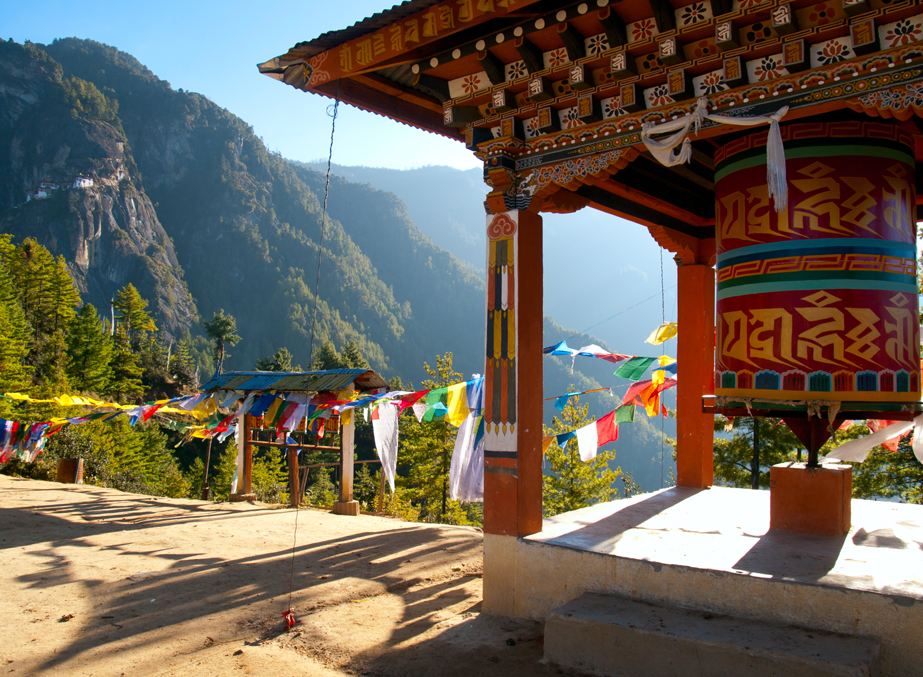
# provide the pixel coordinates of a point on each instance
(289, 617)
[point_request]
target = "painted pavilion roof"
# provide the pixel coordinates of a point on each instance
(532, 84)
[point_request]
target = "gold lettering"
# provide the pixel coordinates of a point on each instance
(900, 347)
(378, 44)
(776, 346)
(820, 336)
(364, 52)
(486, 5)
(430, 25)
(397, 37)
(732, 216)
(411, 31)
(859, 203)
(466, 13)
(446, 18)
(733, 340)
(899, 206)
(346, 58)
(863, 335)
(825, 200)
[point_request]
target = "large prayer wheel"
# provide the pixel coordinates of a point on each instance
(820, 301)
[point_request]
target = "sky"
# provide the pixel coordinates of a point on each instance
(213, 48)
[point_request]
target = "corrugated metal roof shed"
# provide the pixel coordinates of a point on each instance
(330, 380)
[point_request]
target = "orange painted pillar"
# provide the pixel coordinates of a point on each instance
(513, 375)
(696, 360)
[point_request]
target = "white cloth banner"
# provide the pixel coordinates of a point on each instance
(662, 150)
(384, 428)
(239, 461)
(466, 474)
(858, 450)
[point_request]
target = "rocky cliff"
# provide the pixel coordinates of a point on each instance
(69, 179)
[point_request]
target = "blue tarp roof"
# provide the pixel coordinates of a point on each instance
(330, 380)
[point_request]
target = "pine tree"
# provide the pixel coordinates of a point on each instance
(33, 268)
(126, 372)
(426, 451)
(133, 317)
(281, 361)
(221, 330)
(322, 490)
(15, 337)
(568, 482)
(352, 357)
(327, 357)
(89, 352)
(182, 368)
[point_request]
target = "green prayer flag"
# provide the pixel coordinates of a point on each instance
(436, 397)
(634, 368)
(625, 414)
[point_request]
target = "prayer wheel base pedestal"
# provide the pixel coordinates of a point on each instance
(242, 498)
(810, 500)
(346, 508)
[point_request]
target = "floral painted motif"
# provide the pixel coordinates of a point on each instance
(471, 83)
(704, 48)
(557, 57)
(516, 70)
(569, 118)
(642, 30)
(713, 83)
(531, 127)
(758, 32)
(747, 4)
(833, 52)
(694, 13)
(903, 33)
(612, 109)
(660, 96)
(769, 68)
(822, 14)
(597, 44)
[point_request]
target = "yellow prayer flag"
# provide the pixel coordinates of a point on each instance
(457, 400)
(662, 333)
(546, 442)
(665, 361)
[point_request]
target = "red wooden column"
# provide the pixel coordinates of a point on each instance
(513, 375)
(696, 360)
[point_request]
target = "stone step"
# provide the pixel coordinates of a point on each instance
(611, 635)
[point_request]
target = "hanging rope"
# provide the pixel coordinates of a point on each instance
(289, 615)
(612, 317)
(663, 351)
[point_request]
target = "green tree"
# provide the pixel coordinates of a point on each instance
(126, 372)
(270, 479)
(133, 317)
(15, 334)
(327, 357)
(352, 357)
(569, 483)
(426, 452)
(89, 352)
(281, 361)
(365, 487)
(322, 492)
(221, 330)
(224, 475)
(736, 462)
(182, 367)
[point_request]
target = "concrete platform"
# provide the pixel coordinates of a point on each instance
(712, 550)
(609, 635)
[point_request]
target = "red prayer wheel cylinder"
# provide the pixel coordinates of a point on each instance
(820, 301)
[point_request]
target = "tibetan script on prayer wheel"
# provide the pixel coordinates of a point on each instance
(819, 302)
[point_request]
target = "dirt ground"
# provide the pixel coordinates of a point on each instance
(99, 582)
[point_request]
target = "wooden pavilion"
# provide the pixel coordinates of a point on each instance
(770, 145)
(331, 382)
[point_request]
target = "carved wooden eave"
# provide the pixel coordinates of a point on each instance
(552, 95)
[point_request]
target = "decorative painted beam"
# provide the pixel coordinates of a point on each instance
(492, 66)
(529, 53)
(615, 29)
(573, 41)
(664, 15)
(434, 87)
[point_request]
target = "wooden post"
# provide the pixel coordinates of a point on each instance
(695, 350)
(294, 483)
(381, 489)
(346, 505)
(513, 375)
(248, 456)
